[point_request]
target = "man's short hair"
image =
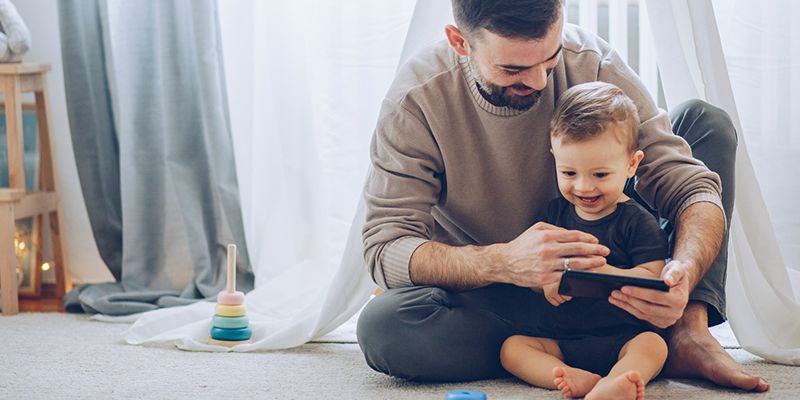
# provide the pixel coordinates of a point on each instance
(516, 19)
(587, 110)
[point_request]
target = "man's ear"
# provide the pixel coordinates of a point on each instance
(457, 40)
(634, 162)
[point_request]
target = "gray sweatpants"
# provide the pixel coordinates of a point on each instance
(429, 333)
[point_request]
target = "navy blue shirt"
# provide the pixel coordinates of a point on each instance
(630, 232)
(634, 237)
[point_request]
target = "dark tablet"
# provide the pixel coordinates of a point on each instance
(599, 285)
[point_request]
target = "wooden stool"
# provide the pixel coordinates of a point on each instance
(15, 201)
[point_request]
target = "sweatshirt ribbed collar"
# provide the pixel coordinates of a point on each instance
(470, 76)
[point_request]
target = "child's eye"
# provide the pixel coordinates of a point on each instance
(601, 174)
(568, 173)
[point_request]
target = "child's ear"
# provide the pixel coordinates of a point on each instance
(634, 162)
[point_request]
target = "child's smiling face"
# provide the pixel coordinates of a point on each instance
(592, 172)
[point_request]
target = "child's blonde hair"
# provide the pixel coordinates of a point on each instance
(587, 110)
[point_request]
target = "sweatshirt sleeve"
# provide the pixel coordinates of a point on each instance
(404, 184)
(669, 179)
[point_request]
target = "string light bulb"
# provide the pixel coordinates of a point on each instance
(20, 276)
(20, 243)
(24, 248)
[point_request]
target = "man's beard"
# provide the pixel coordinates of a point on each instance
(500, 96)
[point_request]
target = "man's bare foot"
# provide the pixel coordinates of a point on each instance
(574, 382)
(626, 386)
(695, 353)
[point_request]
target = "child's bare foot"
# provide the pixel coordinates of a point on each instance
(574, 382)
(626, 386)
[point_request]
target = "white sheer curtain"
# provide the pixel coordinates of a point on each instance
(305, 84)
(762, 59)
(762, 49)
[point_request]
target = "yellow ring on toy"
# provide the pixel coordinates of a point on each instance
(229, 311)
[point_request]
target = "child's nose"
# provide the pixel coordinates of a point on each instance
(583, 185)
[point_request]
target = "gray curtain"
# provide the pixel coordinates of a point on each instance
(151, 133)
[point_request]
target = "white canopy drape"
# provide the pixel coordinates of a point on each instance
(762, 307)
(305, 83)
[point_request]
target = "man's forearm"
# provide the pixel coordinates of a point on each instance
(456, 268)
(699, 234)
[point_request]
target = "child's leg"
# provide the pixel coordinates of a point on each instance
(640, 360)
(538, 361)
(532, 359)
(646, 354)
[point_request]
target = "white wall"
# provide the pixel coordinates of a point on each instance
(41, 17)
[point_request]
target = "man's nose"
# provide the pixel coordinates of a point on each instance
(536, 78)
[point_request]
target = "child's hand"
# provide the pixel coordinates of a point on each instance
(551, 294)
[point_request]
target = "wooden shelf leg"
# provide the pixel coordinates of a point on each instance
(8, 260)
(14, 136)
(47, 182)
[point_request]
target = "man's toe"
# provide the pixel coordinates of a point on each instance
(749, 382)
(763, 386)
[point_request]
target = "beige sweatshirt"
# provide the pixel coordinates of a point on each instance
(449, 166)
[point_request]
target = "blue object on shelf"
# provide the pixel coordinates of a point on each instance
(462, 394)
(31, 156)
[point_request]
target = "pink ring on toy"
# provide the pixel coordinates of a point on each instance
(230, 299)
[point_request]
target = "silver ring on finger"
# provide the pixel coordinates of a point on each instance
(566, 263)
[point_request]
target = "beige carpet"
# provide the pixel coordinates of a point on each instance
(59, 356)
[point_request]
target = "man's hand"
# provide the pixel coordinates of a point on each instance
(552, 295)
(661, 309)
(536, 257)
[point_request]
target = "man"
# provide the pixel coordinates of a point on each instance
(461, 173)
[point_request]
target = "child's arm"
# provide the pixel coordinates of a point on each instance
(650, 269)
(553, 297)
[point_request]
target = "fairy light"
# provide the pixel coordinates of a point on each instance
(21, 251)
(19, 275)
(22, 247)
(20, 243)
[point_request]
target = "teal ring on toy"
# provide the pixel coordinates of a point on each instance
(231, 334)
(231, 322)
